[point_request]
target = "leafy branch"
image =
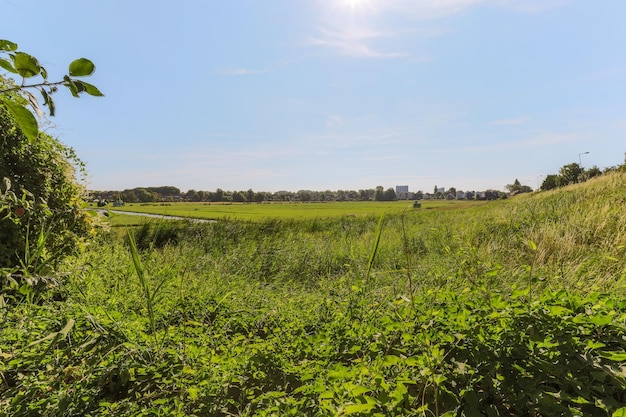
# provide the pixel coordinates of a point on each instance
(27, 67)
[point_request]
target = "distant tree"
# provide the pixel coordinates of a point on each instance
(379, 195)
(515, 187)
(366, 195)
(238, 197)
(218, 195)
(594, 171)
(144, 195)
(390, 195)
(551, 182)
(419, 195)
(518, 188)
(259, 197)
(164, 191)
(128, 196)
(250, 195)
(492, 195)
(304, 195)
(571, 173)
(191, 195)
(525, 189)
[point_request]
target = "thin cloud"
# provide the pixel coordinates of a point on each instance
(510, 122)
(356, 40)
(353, 42)
(533, 6)
(545, 139)
(438, 9)
(334, 121)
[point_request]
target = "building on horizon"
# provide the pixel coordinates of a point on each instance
(402, 192)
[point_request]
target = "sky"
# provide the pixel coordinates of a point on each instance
(333, 94)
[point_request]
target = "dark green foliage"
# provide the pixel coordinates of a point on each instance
(50, 217)
(550, 182)
(158, 234)
(560, 354)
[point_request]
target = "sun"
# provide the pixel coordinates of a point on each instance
(356, 4)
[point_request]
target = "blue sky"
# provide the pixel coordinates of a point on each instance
(334, 94)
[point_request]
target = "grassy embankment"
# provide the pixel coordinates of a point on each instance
(513, 307)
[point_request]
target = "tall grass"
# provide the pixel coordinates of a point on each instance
(512, 307)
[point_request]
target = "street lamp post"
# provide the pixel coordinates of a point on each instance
(579, 159)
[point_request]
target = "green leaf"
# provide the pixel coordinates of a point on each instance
(520, 293)
(359, 390)
(358, 408)
(193, 393)
(391, 360)
(92, 90)
(26, 65)
(6, 64)
(7, 45)
(47, 101)
(620, 412)
(81, 67)
(24, 118)
(69, 83)
(79, 86)
(613, 356)
(601, 319)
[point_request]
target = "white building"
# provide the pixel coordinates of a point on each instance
(402, 192)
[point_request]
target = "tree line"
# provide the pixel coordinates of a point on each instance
(568, 174)
(574, 173)
(174, 194)
(170, 193)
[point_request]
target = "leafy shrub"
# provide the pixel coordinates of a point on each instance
(42, 210)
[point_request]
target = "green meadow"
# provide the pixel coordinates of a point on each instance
(514, 307)
(256, 211)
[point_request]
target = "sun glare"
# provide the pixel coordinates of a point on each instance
(355, 4)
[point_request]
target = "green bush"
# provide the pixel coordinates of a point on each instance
(40, 215)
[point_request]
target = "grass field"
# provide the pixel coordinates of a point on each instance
(243, 211)
(505, 308)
